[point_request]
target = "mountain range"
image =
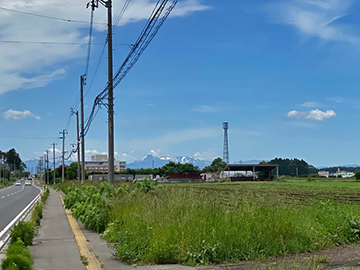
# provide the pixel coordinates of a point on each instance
(150, 161)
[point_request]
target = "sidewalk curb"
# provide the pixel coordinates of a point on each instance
(84, 246)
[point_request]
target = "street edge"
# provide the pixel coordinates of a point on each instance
(84, 246)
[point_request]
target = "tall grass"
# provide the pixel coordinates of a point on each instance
(192, 226)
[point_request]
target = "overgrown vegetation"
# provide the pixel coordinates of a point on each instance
(18, 256)
(215, 223)
(90, 205)
(23, 231)
(37, 213)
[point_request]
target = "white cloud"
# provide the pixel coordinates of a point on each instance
(30, 65)
(205, 155)
(13, 115)
(128, 157)
(311, 104)
(337, 99)
(316, 115)
(205, 109)
(317, 18)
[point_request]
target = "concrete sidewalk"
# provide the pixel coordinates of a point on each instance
(54, 247)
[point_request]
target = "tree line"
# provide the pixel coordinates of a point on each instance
(11, 165)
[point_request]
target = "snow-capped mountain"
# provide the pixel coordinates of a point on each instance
(150, 161)
(32, 165)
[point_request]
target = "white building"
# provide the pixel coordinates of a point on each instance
(343, 174)
(99, 163)
(324, 173)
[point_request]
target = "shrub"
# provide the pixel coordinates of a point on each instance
(18, 257)
(145, 184)
(37, 214)
(45, 195)
(24, 231)
(16, 261)
(18, 247)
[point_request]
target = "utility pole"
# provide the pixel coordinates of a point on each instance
(45, 179)
(64, 132)
(78, 144)
(54, 162)
(82, 82)
(110, 87)
(40, 168)
(110, 97)
(47, 167)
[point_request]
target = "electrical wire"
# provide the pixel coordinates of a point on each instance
(46, 17)
(48, 42)
(89, 42)
(96, 69)
(146, 36)
(119, 17)
(24, 137)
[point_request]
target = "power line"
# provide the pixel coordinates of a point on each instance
(152, 26)
(119, 17)
(55, 43)
(45, 16)
(48, 42)
(24, 137)
(96, 69)
(89, 42)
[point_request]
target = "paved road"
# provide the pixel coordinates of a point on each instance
(13, 200)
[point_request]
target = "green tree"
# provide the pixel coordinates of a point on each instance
(14, 160)
(293, 166)
(173, 167)
(71, 171)
(216, 166)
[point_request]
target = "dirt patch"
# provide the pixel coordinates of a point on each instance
(334, 258)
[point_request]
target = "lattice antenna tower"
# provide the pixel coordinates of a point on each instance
(226, 143)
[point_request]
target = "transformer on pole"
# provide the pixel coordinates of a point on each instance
(226, 144)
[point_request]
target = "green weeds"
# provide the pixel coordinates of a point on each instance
(193, 225)
(90, 205)
(23, 231)
(18, 257)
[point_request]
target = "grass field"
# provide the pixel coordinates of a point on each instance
(207, 223)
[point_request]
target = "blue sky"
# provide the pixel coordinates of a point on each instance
(284, 74)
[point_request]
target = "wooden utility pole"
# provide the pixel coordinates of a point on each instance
(64, 132)
(110, 97)
(82, 133)
(78, 145)
(54, 163)
(110, 88)
(47, 167)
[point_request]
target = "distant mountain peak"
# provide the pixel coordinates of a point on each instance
(150, 161)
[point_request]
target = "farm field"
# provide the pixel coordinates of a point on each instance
(212, 223)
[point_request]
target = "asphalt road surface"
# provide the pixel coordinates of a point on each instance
(13, 200)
